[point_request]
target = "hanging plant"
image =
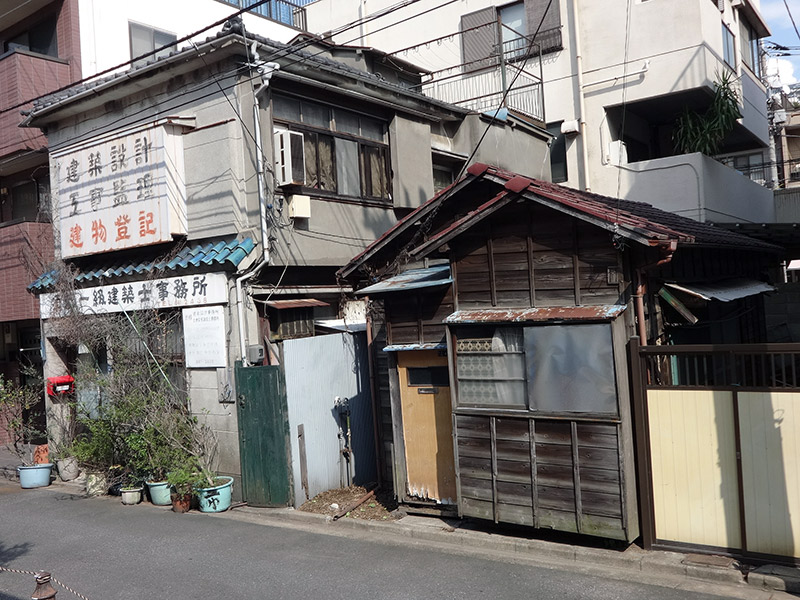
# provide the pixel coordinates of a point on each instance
(704, 133)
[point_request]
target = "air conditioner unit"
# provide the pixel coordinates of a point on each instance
(290, 166)
(794, 173)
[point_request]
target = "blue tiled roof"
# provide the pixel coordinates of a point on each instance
(223, 253)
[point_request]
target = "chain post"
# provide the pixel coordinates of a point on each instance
(43, 591)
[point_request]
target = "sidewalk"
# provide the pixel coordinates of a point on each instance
(691, 572)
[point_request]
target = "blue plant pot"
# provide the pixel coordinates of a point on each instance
(34, 476)
(216, 499)
(160, 492)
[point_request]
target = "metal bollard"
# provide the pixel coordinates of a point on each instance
(43, 590)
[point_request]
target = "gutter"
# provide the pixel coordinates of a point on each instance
(265, 70)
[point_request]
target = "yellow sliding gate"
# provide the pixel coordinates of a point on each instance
(718, 438)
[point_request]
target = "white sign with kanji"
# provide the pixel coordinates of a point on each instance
(204, 337)
(121, 192)
(172, 292)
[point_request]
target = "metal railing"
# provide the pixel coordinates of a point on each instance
(741, 366)
(483, 91)
(280, 11)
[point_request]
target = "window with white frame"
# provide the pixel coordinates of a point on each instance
(728, 47)
(146, 39)
(345, 152)
(749, 46)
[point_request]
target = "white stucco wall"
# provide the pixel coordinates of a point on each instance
(688, 58)
(105, 39)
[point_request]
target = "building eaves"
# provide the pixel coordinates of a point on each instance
(296, 60)
(638, 221)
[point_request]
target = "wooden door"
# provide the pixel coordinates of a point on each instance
(427, 425)
(263, 435)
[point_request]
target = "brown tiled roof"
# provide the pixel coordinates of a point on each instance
(638, 221)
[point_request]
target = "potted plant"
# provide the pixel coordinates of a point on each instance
(184, 479)
(61, 439)
(131, 490)
(18, 411)
(214, 493)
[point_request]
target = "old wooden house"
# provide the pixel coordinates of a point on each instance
(507, 304)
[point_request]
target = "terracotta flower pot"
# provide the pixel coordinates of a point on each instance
(181, 503)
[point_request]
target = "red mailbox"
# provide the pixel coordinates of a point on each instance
(58, 386)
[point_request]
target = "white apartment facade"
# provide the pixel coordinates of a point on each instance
(615, 75)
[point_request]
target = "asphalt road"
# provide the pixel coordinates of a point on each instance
(106, 551)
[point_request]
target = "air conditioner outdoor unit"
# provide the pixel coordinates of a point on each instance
(290, 167)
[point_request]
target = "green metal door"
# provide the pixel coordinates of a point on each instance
(263, 435)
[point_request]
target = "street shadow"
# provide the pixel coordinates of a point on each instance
(7, 555)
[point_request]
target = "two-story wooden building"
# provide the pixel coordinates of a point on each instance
(508, 305)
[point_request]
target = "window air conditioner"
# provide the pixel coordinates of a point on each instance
(290, 167)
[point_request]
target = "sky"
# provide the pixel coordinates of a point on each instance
(782, 71)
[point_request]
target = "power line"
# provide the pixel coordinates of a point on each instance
(788, 10)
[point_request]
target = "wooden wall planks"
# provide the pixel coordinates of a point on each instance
(558, 492)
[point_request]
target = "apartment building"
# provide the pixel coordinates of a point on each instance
(46, 45)
(616, 75)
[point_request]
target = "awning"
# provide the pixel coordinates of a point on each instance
(411, 280)
(724, 291)
(428, 346)
(341, 325)
(297, 303)
(604, 312)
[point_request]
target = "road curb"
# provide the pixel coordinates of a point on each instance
(656, 563)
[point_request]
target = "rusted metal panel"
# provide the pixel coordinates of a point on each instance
(411, 280)
(543, 314)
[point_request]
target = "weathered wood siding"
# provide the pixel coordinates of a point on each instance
(568, 479)
(418, 318)
(535, 256)
(381, 374)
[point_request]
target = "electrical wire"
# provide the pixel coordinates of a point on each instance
(791, 17)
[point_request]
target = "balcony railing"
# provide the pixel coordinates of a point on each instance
(280, 11)
(483, 91)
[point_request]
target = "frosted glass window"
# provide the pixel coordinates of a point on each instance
(570, 368)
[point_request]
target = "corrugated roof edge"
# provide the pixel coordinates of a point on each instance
(230, 255)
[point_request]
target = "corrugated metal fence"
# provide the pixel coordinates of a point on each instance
(327, 387)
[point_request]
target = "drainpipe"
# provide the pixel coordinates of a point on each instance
(641, 286)
(581, 104)
(265, 70)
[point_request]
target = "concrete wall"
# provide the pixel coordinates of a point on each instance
(217, 175)
(698, 187)
(689, 58)
(414, 184)
(105, 36)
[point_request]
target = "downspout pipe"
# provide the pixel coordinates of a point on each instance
(581, 103)
(265, 70)
(641, 287)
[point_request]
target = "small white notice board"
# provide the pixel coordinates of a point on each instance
(204, 336)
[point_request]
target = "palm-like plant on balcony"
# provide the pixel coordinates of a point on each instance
(705, 132)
